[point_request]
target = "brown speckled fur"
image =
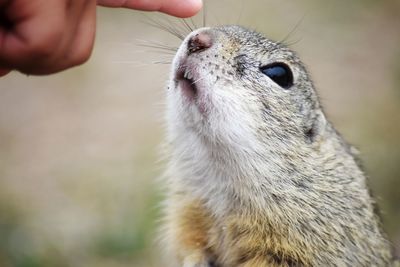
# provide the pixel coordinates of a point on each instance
(257, 175)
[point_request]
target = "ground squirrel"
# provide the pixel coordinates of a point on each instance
(257, 175)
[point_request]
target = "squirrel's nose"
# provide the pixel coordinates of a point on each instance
(199, 42)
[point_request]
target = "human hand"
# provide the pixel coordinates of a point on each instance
(43, 37)
(178, 8)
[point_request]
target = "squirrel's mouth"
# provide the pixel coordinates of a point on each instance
(185, 80)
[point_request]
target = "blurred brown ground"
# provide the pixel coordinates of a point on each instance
(79, 150)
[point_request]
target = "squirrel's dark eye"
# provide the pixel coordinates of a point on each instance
(279, 73)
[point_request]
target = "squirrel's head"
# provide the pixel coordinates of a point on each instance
(233, 87)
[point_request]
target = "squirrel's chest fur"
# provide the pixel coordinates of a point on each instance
(275, 225)
(235, 240)
(316, 219)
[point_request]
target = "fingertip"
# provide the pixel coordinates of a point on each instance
(195, 7)
(182, 9)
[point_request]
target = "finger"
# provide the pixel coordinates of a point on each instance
(37, 32)
(77, 47)
(179, 8)
(81, 48)
(63, 43)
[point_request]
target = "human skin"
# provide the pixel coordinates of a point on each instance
(178, 8)
(43, 37)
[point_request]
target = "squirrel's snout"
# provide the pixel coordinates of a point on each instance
(199, 42)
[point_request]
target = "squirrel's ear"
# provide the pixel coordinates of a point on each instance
(316, 130)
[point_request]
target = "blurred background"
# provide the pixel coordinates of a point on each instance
(79, 151)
